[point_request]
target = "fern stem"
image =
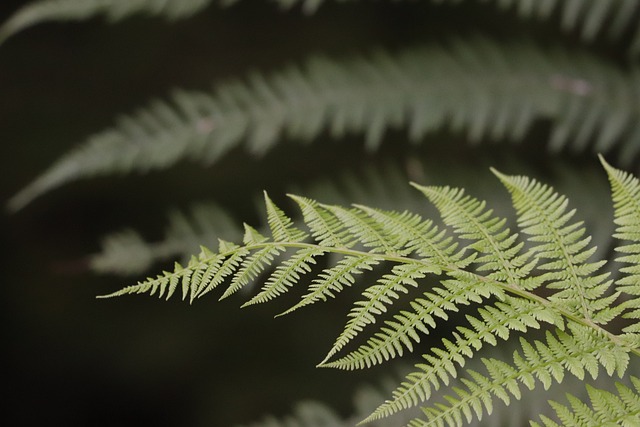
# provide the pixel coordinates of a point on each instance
(512, 289)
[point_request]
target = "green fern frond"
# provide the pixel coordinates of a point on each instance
(281, 226)
(467, 216)
(115, 10)
(383, 185)
(520, 409)
(625, 190)
(606, 409)
(420, 90)
(419, 236)
(443, 364)
(217, 272)
(591, 18)
(399, 333)
(546, 362)
(502, 286)
(366, 232)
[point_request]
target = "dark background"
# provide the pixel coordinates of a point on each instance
(73, 360)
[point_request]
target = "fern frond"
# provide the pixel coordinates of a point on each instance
(591, 18)
(165, 284)
(557, 258)
(281, 226)
(382, 184)
(607, 409)
(442, 365)
(399, 333)
(414, 235)
(547, 362)
(217, 272)
(625, 190)
(543, 214)
(421, 90)
(75, 10)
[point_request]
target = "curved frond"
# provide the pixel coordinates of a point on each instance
(592, 18)
(114, 10)
(282, 228)
(382, 184)
(546, 362)
(442, 365)
(625, 190)
(366, 231)
(482, 265)
(422, 90)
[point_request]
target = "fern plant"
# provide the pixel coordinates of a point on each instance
(548, 281)
(465, 276)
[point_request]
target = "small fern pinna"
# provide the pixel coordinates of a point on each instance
(542, 278)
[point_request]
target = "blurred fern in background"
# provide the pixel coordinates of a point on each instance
(436, 96)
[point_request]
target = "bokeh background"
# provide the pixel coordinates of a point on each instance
(73, 360)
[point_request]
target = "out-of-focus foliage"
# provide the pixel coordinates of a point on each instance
(561, 79)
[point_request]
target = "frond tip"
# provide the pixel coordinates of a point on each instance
(115, 10)
(548, 282)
